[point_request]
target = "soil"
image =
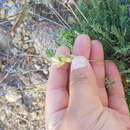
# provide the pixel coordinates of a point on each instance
(23, 64)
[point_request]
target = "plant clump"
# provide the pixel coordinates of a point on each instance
(107, 21)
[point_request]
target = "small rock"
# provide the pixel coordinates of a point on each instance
(33, 115)
(27, 100)
(20, 109)
(19, 30)
(2, 126)
(71, 20)
(5, 39)
(37, 79)
(25, 46)
(3, 89)
(14, 51)
(46, 62)
(12, 97)
(45, 72)
(26, 38)
(37, 67)
(13, 8)
(2, 115)
(45, 37)
(41, 105)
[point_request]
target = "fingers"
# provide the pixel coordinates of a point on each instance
(85, 76)
(83, 88)
(97, 57)
(57, 95)
(82, 46)
(116, 93)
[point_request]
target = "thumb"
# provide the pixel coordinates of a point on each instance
(83, 87)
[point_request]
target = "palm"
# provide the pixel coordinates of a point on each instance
(112, 99)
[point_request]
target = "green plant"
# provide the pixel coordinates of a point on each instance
(107, 21)
(128, 97)
(49, 52)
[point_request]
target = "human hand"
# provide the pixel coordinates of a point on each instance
(76, 97)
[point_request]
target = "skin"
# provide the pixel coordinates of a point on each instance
(76, 97)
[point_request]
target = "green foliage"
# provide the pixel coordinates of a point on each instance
(128, 97)
(66, 38)
(49, 52)
(104, 20)
(107, 21)
(108, 83)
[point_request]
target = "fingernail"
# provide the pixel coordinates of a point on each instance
(78, 62)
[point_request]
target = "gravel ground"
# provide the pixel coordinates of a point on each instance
(24, 66)
(22, 94)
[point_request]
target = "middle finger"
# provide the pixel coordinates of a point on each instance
(97, 57)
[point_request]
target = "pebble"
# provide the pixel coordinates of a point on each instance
(5, 39)
(2, 14)
(37, 67)
(22, 110)
(12, 97)
(25, 46)
(45, 72)
(14, 51)
(2, 115)
(2, 126)
(37, 78)
(26, 38)
(27, 100)
(41, 104)
(19, 30)
(44, 37)
(33, 115)
(71, 20)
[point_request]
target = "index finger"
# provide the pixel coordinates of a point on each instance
(57, 95)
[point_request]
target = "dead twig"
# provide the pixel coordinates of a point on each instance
(19, 17)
